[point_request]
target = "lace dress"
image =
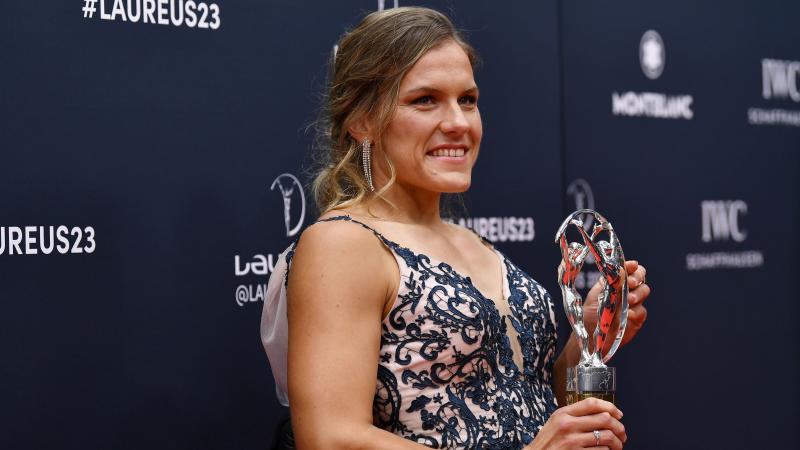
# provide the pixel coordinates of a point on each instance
(446, 376)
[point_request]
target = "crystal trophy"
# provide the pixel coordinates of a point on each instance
(592, 377)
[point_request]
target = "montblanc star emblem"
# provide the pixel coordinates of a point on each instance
(652, 55)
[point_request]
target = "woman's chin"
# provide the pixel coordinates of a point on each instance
(455, 186)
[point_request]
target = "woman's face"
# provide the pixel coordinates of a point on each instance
(435, 132)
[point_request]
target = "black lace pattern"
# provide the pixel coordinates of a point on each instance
(446, 374)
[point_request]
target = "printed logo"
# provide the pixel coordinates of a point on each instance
(722, 223)
(176, 13)
(582, 198)
(261, 265)
(652, 55)
(288, 184)
(779, 79)
(779, 82)
(89, 8)
(44, 240)
(502, 229)
(721, 220)
(654, 105)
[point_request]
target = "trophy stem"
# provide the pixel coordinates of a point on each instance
(588, 381)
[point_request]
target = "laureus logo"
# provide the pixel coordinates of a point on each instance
(288, 184)
(263, 264)
(652, 54)
(582, 198)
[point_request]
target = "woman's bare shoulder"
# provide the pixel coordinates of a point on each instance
(336, 229)
(340, 261)
(339, 245)
(339, 239)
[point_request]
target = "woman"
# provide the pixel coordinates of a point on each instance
(461, 340)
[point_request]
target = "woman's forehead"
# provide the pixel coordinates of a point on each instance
(446, 64)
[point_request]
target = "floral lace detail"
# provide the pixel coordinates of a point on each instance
(446, 375)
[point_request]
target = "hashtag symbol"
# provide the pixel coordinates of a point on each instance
(89, 7)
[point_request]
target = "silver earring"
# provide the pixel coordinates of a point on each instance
(366, 159)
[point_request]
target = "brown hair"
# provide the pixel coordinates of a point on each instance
(364, 82)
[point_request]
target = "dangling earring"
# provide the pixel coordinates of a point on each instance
(366, 159)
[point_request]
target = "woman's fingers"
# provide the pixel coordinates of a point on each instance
(591, 406)
(594, 414)
(631, 266)
(636, 277)
(589, 423)
(605, 439)
(641, 275)
(638, 295)
(637, 314)
(604, 421)
(639, 290)
(608, 440)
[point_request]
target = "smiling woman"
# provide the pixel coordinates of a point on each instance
(405, 330)
(435, 133)
(364, 97)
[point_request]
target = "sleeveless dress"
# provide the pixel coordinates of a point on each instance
(446, 373)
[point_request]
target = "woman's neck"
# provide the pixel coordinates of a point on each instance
(407, 205)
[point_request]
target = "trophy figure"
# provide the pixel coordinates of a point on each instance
(591, 377)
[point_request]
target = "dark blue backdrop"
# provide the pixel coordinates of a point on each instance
(150, 151)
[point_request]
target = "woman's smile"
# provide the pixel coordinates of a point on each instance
(449, 153)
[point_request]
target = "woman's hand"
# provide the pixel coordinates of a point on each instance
(589, 423)
(637, 314)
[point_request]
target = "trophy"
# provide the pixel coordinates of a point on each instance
(591, 377)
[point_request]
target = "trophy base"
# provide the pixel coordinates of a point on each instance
(584, 382)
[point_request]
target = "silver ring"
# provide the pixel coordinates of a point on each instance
(596, 437)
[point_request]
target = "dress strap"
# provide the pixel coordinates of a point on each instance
(487, 242)
(391, 244)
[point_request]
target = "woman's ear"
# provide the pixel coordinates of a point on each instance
(360, 130)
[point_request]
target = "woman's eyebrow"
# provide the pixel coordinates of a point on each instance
(422, 89)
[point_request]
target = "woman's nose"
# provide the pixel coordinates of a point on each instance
(454, 120)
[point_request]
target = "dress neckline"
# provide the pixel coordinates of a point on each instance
(501, 306)
(505, 289)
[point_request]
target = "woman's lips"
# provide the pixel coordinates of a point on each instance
(448, 152)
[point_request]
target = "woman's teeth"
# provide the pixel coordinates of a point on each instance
(453, 152)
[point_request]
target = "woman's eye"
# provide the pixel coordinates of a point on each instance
(468, 100)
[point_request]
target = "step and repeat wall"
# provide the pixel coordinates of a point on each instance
(155, 159)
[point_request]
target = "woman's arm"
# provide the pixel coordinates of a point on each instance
(340, 281)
